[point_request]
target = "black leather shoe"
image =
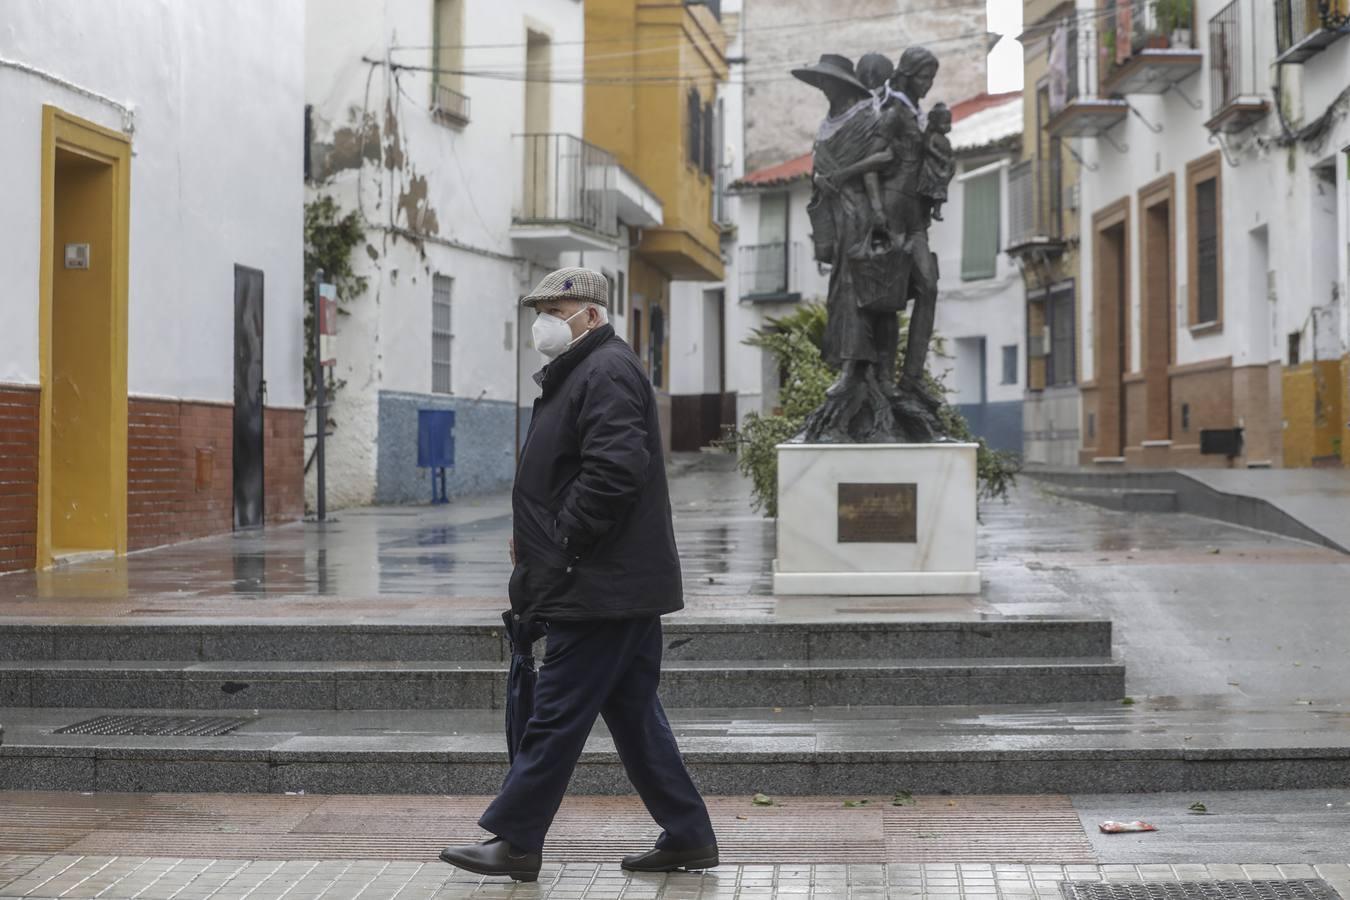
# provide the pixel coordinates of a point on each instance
(494, 857)
(671, 860)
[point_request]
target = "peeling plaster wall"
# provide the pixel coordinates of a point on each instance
(782, 113)
(215, 178)
(438, 199)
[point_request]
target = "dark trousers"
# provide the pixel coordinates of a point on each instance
(609, 669)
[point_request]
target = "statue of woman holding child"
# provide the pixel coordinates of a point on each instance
(880, 176)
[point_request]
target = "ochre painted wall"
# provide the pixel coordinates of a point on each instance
(642, 58)
(1313, 413)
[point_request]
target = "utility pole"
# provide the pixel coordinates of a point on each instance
(320, 400)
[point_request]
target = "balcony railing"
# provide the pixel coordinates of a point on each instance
(450, 105)
(1077, 105)
(769, 271)
(1146, 47)
(569, 182)
(1035, 207)
(1232, 80)
(1303, 28)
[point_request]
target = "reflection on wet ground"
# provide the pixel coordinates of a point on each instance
(1198, 607)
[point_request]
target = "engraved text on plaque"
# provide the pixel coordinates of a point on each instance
(878, 513)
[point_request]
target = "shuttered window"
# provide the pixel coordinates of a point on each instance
(694, 113)
(440, 334)
(979, 226)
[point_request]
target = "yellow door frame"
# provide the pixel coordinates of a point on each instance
(61, 130)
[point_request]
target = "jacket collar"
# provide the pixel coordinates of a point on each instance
(553, 374)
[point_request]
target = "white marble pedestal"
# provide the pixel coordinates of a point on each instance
(891, 519)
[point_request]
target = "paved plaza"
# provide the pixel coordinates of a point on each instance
(1217, 653)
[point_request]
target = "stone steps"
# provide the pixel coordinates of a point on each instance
(1072, 748)
(895, 638)
(439, 685)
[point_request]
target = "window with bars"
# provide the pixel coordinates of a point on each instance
(1206, 251)
(441, 334)
(1060, 366)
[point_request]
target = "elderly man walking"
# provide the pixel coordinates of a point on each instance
(595, 559)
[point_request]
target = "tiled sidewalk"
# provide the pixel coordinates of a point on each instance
(142, 878)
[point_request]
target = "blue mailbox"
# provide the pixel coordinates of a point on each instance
(436, 447)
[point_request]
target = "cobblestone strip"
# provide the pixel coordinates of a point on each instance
(68, 877)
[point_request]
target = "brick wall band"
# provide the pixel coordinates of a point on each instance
(179, 479)
(283, 464)
(181, 469)
(18, 477)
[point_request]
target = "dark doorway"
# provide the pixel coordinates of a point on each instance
(1158, 327)
(1112, 349)
(248, 397)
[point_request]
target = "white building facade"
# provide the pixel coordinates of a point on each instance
(1215, 232)
(150, 240)
(470, 188)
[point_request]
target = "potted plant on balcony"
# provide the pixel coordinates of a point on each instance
(1174, 19)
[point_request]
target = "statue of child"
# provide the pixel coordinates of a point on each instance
(939, 162)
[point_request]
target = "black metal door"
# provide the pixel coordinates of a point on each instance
(248, 397)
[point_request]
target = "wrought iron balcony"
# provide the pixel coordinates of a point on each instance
(1232, 78)
(1304, 28)
(1147, 48)
(1078, 107)
(569, 196)
(769, 272)
(450, 105)
(1035, 208)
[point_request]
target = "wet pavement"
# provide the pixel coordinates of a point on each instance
(1200, 609)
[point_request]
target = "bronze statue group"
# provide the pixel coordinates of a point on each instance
(880, 176)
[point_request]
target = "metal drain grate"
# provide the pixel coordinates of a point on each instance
(173, 726)
(1306, 889)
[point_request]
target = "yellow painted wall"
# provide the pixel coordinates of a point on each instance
(642, 57)
(1345, 411)
(1313, 412)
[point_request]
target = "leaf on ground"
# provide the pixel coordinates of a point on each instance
(903, 798)
(1128, 701)
(1198, 808)
(762, 800)
(744, 818)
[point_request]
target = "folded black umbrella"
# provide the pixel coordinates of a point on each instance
(520, 678)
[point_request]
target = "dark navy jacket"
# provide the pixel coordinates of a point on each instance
(592, 518)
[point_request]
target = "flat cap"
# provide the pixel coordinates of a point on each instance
(571, 283)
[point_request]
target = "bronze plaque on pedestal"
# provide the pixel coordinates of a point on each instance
(878, 513)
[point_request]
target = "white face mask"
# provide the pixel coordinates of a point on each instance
(552, 336)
